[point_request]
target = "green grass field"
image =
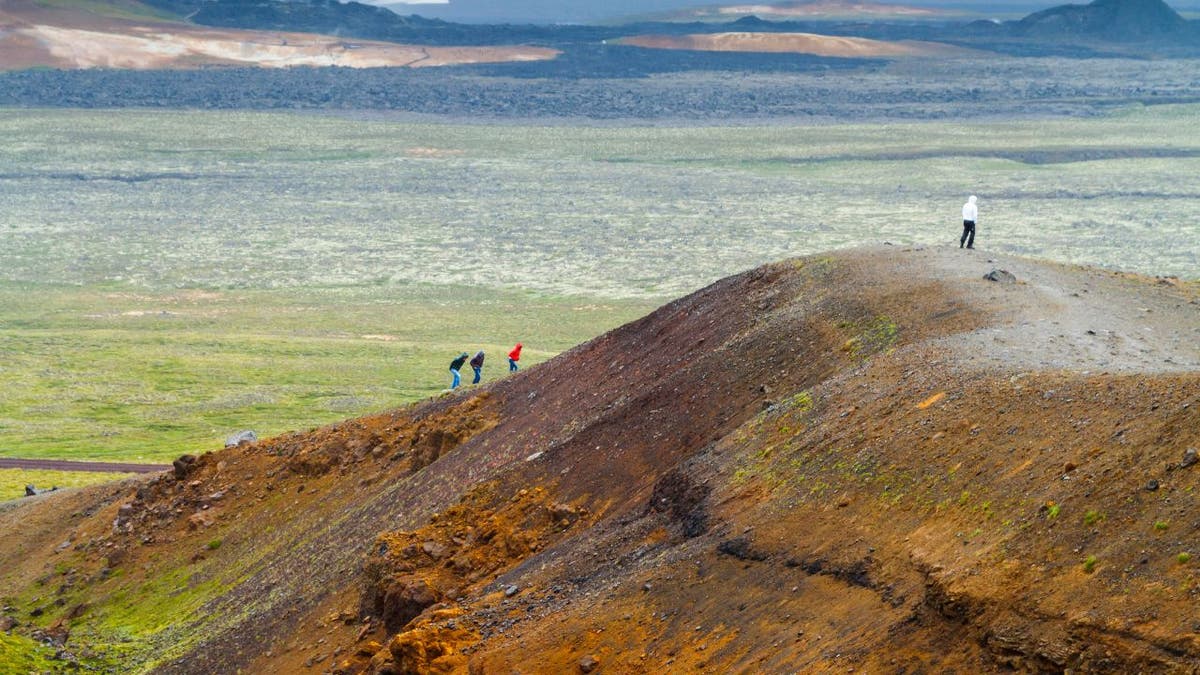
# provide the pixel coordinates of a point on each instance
(168, 278)
(116, 374)
(13, 481)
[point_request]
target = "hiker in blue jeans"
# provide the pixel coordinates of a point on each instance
(455, 365)
(477, 364)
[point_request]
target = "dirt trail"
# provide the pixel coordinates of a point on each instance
(67, 465)
(1062, 317)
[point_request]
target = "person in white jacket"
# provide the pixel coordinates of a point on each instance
(970, 213)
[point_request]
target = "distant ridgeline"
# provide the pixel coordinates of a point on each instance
(359, 20)
(1150, 24)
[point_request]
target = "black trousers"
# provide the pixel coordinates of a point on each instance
(968, 234)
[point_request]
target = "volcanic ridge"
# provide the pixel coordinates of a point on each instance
(874, 460)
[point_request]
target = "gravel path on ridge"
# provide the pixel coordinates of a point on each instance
(1060, 317)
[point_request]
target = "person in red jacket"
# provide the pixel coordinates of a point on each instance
(513, 357)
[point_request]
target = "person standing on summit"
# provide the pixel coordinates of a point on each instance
(970, 213)
(477, 365)
(513, 357)
(455, 366)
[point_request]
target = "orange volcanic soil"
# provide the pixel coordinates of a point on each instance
(798, 43)
(874, 460)
(32, 35)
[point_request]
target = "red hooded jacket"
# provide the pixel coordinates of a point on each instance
(515, 354)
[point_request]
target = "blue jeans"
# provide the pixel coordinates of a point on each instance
(478, 373)
(512, 366)
(457, 379)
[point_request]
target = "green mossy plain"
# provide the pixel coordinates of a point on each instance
(116, 375)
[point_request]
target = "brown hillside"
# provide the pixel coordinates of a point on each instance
(875, 460)
(797, 43)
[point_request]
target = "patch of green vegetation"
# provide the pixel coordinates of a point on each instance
(132, 618)
(19, 654)
(1089, 564)
(874, 336)
(1161, 525)
(123, 374)
(801, 402)
(1092, 517)
(13, 481)
(1183, 558)
(213, 544)
(1052, 511)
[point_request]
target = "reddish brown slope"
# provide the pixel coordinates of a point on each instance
(804, 467)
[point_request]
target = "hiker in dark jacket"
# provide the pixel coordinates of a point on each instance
(455, 365)
(477, 364)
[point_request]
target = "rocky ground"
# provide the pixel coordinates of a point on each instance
(660, 85)
(875, 460)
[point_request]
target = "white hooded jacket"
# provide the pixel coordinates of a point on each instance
(970, 211)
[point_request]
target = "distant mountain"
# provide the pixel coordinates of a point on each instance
(1115, 20)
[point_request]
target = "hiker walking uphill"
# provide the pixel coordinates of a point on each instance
(513, 357)
(970, 213)
(477, 364)
(455, 366)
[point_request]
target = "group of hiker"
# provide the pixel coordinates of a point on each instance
(476, 364)
(970, 213)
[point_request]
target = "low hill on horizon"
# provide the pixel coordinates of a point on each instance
(797, 43)
(1151, 24)
(1119, 20)
(873, 459)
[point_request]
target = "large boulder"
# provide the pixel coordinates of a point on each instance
(241, 437)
